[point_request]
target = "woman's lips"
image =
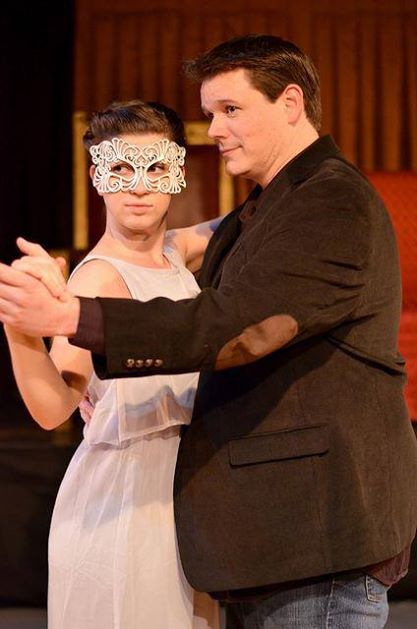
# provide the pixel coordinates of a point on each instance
(137, 206)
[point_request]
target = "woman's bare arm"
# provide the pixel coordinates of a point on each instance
(191, 242)
(52, 384)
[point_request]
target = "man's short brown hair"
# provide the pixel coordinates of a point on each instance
(272, 64)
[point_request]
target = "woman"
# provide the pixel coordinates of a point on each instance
(113, 559)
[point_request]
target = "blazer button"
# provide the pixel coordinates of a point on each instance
(138, 363)
(148, 362)
(158, 362)
(129, 363)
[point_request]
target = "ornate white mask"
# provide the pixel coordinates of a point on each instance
(120, 166)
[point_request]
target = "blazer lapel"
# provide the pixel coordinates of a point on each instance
(221, 243)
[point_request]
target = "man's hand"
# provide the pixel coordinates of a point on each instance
(86, 409)
(28, 306)
(38, 263)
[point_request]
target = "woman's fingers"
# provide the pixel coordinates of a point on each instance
(31, 248)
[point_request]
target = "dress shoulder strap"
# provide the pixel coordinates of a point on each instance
(173, 255)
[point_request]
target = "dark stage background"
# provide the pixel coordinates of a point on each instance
(35, 158)
(36, 77)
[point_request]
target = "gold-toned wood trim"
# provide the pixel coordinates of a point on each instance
(80, 182)
(196, 134)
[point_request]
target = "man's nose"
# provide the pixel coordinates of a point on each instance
(216, 128)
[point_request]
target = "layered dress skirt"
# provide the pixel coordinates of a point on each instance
(113, 555)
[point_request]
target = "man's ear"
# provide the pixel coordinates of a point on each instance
(293, 102)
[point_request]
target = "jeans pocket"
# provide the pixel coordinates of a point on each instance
(375, 590)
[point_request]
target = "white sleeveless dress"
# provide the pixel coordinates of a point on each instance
(113, 557)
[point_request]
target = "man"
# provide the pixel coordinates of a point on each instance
(295, 491)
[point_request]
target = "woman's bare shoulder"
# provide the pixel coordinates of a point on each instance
(98, 278)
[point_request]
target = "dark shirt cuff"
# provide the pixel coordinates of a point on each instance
(90, 331)
(391, 570)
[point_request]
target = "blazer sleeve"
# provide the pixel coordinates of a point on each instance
(310, 264)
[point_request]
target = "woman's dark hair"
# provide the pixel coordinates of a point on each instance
(134, 116)
(272, 63)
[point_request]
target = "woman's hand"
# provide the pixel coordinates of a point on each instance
(38, 263)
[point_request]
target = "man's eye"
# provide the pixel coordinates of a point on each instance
(231, 109)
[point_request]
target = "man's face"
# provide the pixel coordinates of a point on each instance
(252, 134)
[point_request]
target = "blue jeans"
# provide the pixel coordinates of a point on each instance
(347, 601)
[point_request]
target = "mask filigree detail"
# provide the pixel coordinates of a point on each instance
(120, 166)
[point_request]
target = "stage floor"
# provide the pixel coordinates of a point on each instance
(403, 615)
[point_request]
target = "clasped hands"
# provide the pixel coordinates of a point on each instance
(34, 298)
(39, 264)
(30, 287)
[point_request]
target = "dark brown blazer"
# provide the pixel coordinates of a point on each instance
(303, 462)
